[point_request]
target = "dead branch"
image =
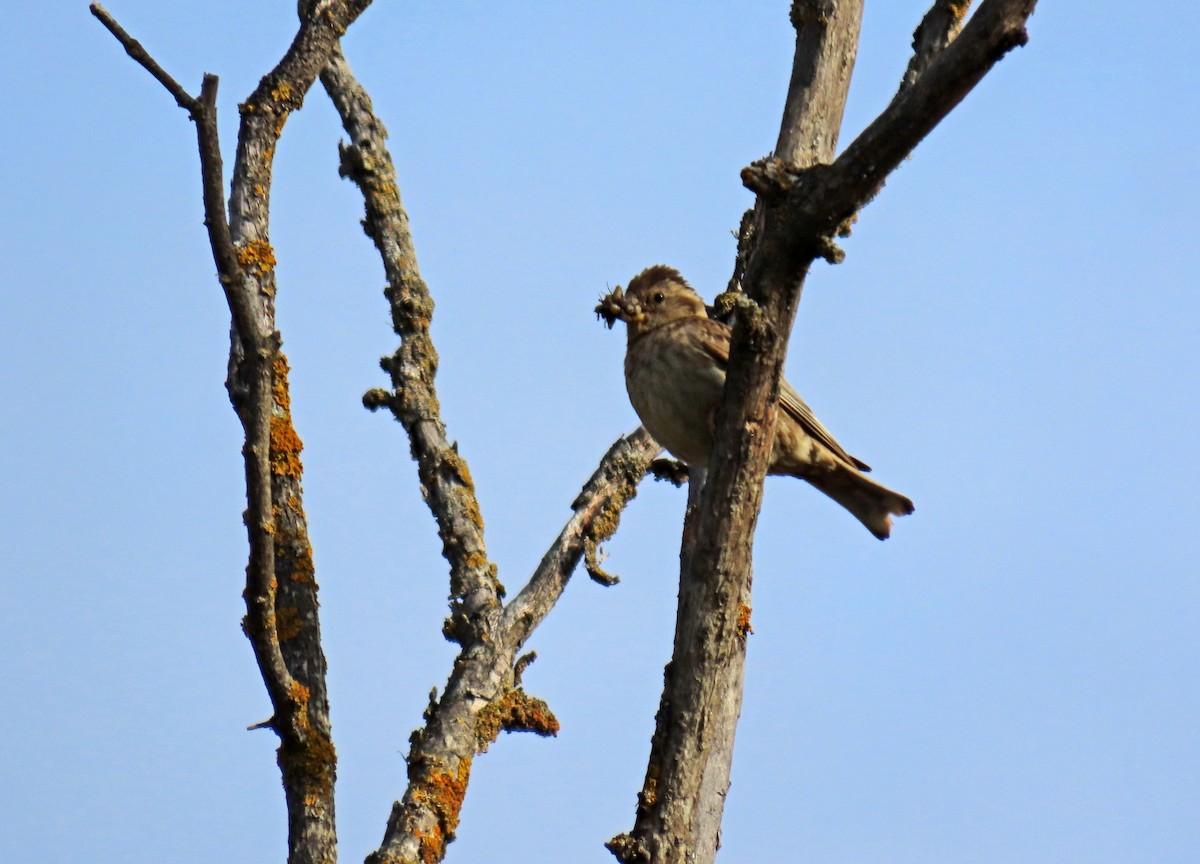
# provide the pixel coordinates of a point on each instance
(937, 29)
(483, 694)
(281, 590)
(798, 213)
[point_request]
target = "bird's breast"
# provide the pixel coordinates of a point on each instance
(674, 386)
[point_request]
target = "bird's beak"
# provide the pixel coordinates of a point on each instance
(616, 304)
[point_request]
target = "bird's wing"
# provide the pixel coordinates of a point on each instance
(797, 408)
(713, 336)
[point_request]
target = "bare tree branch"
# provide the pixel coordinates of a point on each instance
(483, 694)
(281, 590)
(445, 478)
(142, 57)
(802, 206)
(826, 48)
(682, 799)
(204, 112)
(597, 511)
(937, 29)
(817, 87)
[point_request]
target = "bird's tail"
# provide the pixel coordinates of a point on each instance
(871, 503)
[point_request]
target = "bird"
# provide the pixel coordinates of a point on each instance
(675, 364)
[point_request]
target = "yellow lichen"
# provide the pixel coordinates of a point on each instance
(288, 623)
(279, 385)
(475, 560)
(298, 694)
(257, 254)
(285, 449)
(309, 765)
(441, 792)
(648, 797)
(743, 621)
(470, 506)
(303, 569)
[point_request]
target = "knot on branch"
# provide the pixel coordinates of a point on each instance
(353, 161)
(724, 305)
(456, 627)
(830, 251)
(628, 849)
(377, 398)
(412, 310)
(736, 305)
(772, 178)
(670, 471)
(806, 11)
(515, 711)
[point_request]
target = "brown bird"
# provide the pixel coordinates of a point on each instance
(675, 361)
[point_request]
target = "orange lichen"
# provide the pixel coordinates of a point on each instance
(299, 695)
(475, 560)
(279, 383)
(288, 623)
(257, 254)
(743, 620)
(303, 569)
(515, 711)
(285, 443)
(285, 448)
(431, 845)
(648, 797)
(440, 792)
(282, 92)
(309, 767)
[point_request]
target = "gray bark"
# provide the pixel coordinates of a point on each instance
(803, 204)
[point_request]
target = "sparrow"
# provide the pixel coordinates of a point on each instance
(675, 363)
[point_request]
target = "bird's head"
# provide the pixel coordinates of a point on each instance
(656, 296)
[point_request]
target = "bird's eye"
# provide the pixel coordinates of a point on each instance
(659, 297)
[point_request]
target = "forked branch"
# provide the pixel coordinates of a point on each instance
(281, 591)
(802, 206)
(483, 694)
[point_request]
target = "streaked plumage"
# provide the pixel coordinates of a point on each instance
(675, 361)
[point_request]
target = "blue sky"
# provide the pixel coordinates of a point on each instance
(1012, 341)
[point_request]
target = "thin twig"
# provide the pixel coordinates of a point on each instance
(135, 50)
(216, 217)
(597, 510)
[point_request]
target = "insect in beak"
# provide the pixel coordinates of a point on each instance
(612, 306)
